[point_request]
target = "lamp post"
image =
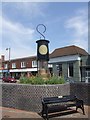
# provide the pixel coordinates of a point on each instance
(9, 60)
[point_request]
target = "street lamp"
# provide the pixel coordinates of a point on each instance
(9, 60)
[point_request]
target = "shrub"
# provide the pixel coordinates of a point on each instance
(55, 80)
(39, 80)
(25, 80)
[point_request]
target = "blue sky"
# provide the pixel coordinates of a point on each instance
(66, 23)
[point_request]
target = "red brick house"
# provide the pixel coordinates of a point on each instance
(21, 66)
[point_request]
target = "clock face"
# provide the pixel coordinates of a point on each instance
(43, 49)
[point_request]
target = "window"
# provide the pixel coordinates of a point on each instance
(59, 68)
(34, 63)
(23, 64)
(5, 66)
(70, 70)
(87, 76)
(13, 65)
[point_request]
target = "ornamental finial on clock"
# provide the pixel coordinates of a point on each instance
(38, 30)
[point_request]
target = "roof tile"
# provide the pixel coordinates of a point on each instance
(69, 50)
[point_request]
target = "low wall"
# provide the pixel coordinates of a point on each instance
(28, 97)
(82, 91)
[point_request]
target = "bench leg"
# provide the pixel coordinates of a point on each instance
(82, 108)
(42, 113)
(47, 117)
(79, 104)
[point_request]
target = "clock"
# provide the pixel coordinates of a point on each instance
(43, 50)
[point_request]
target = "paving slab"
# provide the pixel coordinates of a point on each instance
(15, 113)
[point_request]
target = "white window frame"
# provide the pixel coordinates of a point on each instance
(13, 65)
(34, 63)
(87, 76)
(23, 64)
(6, 66)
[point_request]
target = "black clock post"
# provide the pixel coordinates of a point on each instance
(42, 56)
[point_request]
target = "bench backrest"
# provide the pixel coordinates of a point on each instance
(58, 98)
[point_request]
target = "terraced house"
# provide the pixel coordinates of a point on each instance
(21, 66)
(71, 62)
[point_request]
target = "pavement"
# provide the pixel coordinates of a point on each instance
(15, 113)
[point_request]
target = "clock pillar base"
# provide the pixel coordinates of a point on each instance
(43, 70)
(44, 74)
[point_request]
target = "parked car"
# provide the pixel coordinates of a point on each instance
(9, 79)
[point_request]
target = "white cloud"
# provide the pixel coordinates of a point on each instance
(24, 10)
(18, 38)
(78, 25)
(31, 9)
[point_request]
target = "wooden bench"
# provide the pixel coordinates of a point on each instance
(60, 103)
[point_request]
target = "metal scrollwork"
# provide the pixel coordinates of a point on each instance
(37, 28)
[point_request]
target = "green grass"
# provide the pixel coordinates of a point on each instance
(40, 80)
